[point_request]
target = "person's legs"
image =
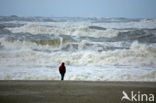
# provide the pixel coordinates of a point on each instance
(62, 76)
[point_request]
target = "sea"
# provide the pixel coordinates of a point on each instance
(93, 49)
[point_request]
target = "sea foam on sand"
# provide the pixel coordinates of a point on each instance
(84, 73)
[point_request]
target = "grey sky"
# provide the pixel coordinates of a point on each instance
(80, 8)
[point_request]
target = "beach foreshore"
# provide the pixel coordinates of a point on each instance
(14, 91)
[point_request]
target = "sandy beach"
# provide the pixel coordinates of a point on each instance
(70, 91)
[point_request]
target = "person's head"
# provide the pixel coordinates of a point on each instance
(63, 63)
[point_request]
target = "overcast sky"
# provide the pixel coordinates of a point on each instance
(79, 8)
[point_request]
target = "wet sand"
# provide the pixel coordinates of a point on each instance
(70, 91)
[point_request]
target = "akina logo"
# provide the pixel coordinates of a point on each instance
(137, 96)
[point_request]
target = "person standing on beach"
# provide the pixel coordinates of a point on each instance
(62, 70)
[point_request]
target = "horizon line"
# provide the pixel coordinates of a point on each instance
(96, 17)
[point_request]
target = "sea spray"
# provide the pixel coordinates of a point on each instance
(92, 50)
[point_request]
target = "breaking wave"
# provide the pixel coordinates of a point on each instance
(138, 54)
(68, 30)
(113, 49)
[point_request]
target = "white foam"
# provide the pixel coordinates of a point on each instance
(138, 54)
(93, 73)
(80, 28)
(25, 60)
(74, 29)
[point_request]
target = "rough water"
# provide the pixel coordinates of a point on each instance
(106, 49)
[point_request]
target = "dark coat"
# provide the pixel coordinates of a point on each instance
(62, 69)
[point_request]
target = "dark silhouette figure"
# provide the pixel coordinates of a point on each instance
(62, 70)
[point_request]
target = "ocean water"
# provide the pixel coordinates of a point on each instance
(97, 49)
